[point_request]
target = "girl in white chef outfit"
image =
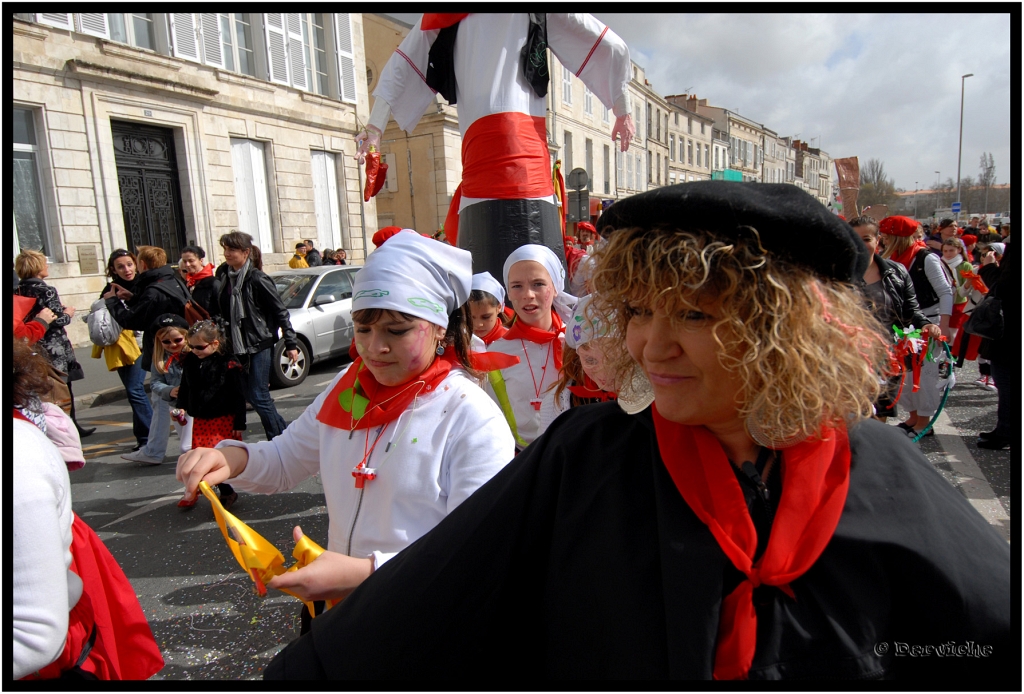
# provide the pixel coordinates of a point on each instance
(400, 438)
(534, 277)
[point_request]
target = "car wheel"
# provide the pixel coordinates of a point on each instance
(284, 373)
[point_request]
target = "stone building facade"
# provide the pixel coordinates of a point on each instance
(173, 129)
(690, 144)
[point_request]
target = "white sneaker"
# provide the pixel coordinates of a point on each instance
(981, 381)
(990, 385)
(140, 457)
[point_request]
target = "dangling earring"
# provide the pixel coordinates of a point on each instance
(440, 348)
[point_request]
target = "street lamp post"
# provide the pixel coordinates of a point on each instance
(963, 79)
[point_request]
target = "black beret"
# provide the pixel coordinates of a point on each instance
(791, 223)
(170, 320)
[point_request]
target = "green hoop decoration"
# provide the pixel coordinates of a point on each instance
(945, 395)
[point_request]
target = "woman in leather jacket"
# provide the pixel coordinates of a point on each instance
(890, 291)
(250, 305)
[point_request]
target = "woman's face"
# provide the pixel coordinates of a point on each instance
(45, 272)
(950, 252)
(234, 257)
(947, 232)
(190, 263)
(681, 360)
(124, 267)
(531, 291)
(592, 357)
(341, 254)
(869, 235)
(395, 349)
(485, 316)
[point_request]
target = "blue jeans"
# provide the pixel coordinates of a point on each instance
(257, 392)
(133, 378)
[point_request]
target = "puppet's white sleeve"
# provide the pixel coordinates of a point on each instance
(403, 82)
(598, 57)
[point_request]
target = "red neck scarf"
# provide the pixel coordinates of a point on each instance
(591, 391)
(907, 257)
(814, 494)
(207, 271)
(522, 331)
(358, 401)
(497, 332)
(441, 20)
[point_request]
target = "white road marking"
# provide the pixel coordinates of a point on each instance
(970, 478)
(156, 503)
(323, 383)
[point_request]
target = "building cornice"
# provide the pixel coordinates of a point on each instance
(118, 76)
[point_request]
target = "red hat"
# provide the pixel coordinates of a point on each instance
(968, 239)
(384, 234)
(587, 226)
(898, 226)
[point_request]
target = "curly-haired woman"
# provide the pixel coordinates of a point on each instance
(32, 267)
(755, 522)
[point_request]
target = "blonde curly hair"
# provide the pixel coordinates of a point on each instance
(808, 352)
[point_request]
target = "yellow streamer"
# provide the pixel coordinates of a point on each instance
(260, 560)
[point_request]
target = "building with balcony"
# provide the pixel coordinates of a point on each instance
(170, 129)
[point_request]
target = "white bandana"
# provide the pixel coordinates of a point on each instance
(485, 282)
(415, 275)
(564, 302)
(584, 325)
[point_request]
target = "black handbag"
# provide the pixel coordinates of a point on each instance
(987, 319)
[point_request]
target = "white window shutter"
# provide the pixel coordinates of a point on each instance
(61, 20)
(93, 24)
(332, 199)
(296, 50)
(259, 182)
(213, 52)
(183, 35)
(325, 199)
(346, 57)
(391, 179)
(277, 47)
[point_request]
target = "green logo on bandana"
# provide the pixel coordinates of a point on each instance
(425, 303)
(375, 293)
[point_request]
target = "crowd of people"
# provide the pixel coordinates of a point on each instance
(607, 463)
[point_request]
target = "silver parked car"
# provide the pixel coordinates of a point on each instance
(319, 303)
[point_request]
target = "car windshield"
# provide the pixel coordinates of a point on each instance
(293, 289)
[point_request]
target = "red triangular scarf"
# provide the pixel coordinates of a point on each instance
(207, 271)
(358, 401)
(522, 331)
(441, 20)
(816, 478)
(497, 332)
(590, 391)
(907, 257)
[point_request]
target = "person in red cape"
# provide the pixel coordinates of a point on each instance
(534, 276)
(752, 522)
(494, 66)
(74, 615)
(400, 437)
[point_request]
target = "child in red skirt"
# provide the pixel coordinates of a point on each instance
(212, 393)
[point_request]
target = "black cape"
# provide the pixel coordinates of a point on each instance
(581, 559)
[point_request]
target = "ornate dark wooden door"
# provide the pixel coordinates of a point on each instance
(147, 172)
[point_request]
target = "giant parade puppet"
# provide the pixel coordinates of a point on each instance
(494, 66)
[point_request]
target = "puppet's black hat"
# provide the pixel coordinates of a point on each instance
(791, 223)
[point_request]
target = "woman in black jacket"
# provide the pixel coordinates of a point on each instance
(249, 303)
(32, 267)
(890, 291)
(157, 291)
(200, 278)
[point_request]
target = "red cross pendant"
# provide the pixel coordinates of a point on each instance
(362, 474)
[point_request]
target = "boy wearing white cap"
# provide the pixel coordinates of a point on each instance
(534, 277)
(400, 438)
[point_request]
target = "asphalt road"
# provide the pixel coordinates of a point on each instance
(204, 613)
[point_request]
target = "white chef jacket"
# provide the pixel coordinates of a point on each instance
(523, 385)
(428, 461)
(488, 76)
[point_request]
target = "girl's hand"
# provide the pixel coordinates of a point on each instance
(69, 311)
(174, 392)
(331, 576)
(214, 465)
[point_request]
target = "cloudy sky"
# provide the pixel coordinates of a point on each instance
(868, 85)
